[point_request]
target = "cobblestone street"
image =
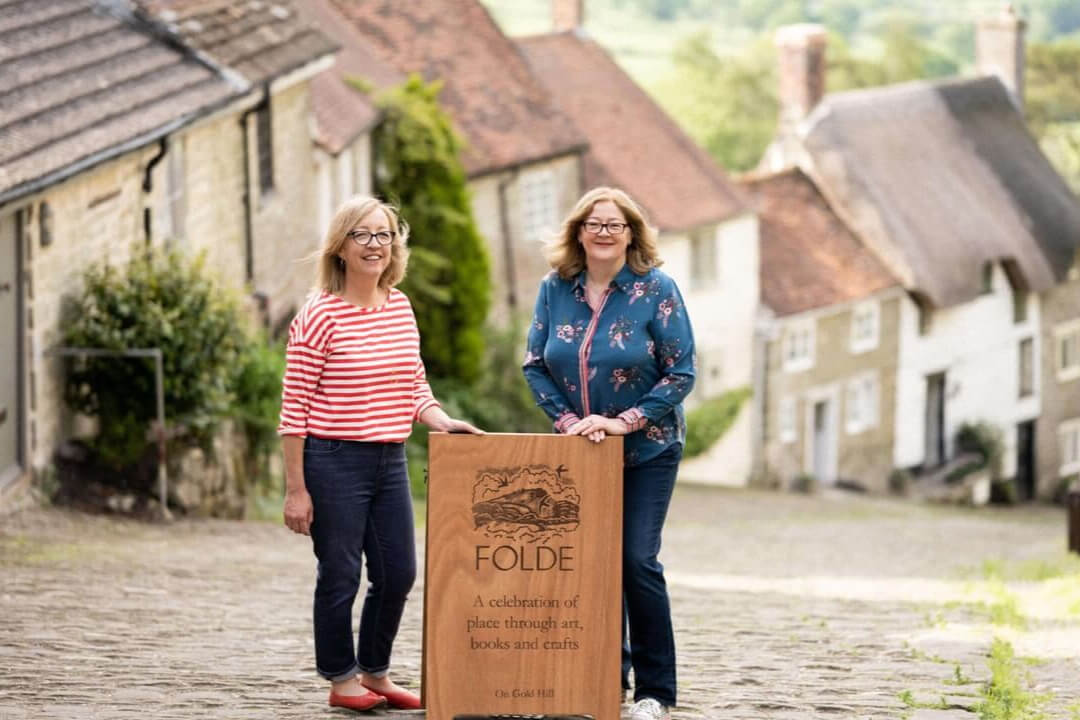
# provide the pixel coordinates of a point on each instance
(785, 607)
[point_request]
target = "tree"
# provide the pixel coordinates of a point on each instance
(727, 104)
(418, 168)
(1053, 104)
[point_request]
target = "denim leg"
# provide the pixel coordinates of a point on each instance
(647, 492)
(390, 548)
(341, 486)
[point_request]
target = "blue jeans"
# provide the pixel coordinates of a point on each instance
(650, 647)
(362, 507)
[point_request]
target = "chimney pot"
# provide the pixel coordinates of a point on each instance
(999, 50)
(568, 14)
(802, 70)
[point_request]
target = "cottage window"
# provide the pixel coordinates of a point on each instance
(1067, 338)
(865, 327)
(862, 403)
(539, 205)
(789, 427)
(1069, 437)
(172, 207)
(988, 278)
(798, 347)
(703, 259)
(1027, 367)
(1020, 305)
(265, 146)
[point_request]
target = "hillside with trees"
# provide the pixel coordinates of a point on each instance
(712, 64)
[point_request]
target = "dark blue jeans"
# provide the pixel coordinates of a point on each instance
(650, 648)
(362, 508)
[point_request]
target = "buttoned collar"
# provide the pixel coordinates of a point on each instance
(624, 280)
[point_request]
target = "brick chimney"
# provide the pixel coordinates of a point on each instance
(802, 71)
(568, 14)
(999, 50)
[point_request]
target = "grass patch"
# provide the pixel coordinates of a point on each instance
(1007, 696)
(1066, 565)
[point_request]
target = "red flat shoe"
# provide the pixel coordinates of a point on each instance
(400, 699)
(367, 701)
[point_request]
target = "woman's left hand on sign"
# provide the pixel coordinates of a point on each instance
(597, 427)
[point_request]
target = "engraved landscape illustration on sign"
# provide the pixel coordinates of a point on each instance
(529, 503)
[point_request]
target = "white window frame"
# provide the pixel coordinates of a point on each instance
(1069, 446)
(539, 205)
(865, 327)
(797, 346)
(788, 420)
(362, 166)
(862, 401)
(324, 196)
(1067, 333)
(1026, 379)
(704, 251)
(346, 175)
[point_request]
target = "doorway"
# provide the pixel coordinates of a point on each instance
(823, 441)
(10, 351)
(1025, 460)
(935, 421)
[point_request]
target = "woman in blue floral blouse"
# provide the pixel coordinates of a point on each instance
(611, 352)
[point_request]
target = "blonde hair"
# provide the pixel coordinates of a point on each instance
(330, 268)
(566, 254)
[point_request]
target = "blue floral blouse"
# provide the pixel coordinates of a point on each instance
(633, 359)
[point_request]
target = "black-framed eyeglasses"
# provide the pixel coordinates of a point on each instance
(595, 226)
(363, 237)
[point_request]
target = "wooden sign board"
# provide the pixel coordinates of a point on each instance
(523, 583)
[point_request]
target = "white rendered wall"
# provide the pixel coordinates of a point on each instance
(976, 345)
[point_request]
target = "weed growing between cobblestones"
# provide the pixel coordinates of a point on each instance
(908, 698)
(1074, 711)
(1007, 696)
(959, 678)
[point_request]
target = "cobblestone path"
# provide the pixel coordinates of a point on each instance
(785, 607)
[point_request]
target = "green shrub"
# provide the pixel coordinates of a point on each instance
(805, 483)
(257, 388)
(708, 422)
(158, 300)
(985, 440)
(900, 481)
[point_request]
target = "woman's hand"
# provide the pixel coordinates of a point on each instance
(597, 427)
(454, 425)
(437, 419)
(298, 511)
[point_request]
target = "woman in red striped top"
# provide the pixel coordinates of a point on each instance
(354, 384)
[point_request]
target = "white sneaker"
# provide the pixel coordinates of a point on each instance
(648, 709)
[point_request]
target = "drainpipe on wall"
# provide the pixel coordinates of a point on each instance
(148, 186)
(249, 231)
(508, 248)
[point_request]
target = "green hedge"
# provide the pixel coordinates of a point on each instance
(708, 422)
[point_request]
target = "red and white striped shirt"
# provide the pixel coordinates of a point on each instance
(354, 373)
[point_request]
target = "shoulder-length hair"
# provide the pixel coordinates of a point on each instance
(330, 268)
(566, 254)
